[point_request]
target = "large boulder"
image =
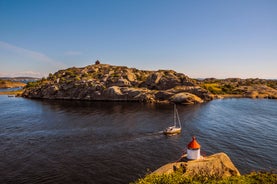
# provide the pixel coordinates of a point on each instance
(163, 80)
(145, 97)
(50, 91)
(252, 94)
(168, 81)
(131, 76)
(185, 98)
(218, 165)
(152, 80)
(196, 90)
(121, 82)
(113, 92)
(132, 92)
(163, 95)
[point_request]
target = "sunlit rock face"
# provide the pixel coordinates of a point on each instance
(217, 165)
(118, 83)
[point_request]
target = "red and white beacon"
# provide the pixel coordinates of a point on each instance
(193, 150)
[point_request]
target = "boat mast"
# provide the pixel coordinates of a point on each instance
(174, 115)
(178, 118)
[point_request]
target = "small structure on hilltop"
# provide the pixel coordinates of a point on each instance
(97, 62)
(193, 150)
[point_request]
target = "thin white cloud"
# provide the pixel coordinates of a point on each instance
(3, 74)
(29, 73)
(40, 57)
(22, 74)
(73, 53)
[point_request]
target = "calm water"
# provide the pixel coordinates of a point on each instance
(10, 89)
(105, 142)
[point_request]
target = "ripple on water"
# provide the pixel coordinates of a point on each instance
(89, 142)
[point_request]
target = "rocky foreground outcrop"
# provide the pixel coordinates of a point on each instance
(218, 165)
(118, 83)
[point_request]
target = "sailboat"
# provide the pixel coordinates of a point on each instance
(174, 129)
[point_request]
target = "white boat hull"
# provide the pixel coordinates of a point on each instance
(172, 130)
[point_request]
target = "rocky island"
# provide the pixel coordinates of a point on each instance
(103, 82)
(9, 84)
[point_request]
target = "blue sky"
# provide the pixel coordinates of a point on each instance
(201, 38)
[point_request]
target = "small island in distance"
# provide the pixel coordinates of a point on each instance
(14, 85)
(104, 82)
(8, 83)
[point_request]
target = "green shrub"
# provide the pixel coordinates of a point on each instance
(213, 88)
(70, 73)
(77, 78)
(227, 88)
(178, 178)
(115, 75)
(85, 75)
(50, 75)
(33, 84)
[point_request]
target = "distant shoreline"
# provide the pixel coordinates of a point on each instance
(104, 82)
(16, 93)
